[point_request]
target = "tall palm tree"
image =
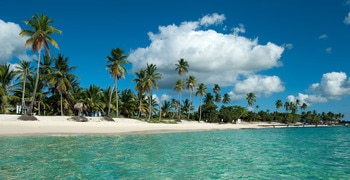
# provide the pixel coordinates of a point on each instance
(23, 70)
(181, 68)
(151, 81)
(61, 78)
(191, 84)
(39, 37)
(140, 87)
(178, 88)
(116, 66)
(201, 90)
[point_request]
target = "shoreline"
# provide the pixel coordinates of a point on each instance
(60, 126)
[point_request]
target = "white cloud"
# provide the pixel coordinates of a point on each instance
(239, 29)
(259, 85)
(347, 19)
(333, 85)
(12, 45)
(307, 99)
(212, 19)
(213, 57)
(329, 50)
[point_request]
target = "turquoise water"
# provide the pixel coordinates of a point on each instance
(281, 153)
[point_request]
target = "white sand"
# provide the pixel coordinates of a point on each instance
(57, 125)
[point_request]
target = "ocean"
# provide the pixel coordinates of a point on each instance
(276, 153)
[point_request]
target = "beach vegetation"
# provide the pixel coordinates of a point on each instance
(53, 89)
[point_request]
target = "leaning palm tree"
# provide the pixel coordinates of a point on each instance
(39, 37)
(116, 66)
(191, 84)
(201, 90)
(151, 81)
(23, 70)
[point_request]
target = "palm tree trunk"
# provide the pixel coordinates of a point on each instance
(140, 106)
(200, 109)
(150, 106)
(189, 111)
(61, 103)
(23, 91)
(110, 98)
(117, 103)
(36, 85)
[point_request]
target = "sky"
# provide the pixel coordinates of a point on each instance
(287, 50)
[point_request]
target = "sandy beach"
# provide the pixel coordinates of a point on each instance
(58, 125)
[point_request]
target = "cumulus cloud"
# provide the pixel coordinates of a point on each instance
(11, 44)
(347, 19)
(213, 57)
(259, 85)
(329, 50)
(333, 86)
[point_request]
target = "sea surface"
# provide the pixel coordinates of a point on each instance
(276, 153)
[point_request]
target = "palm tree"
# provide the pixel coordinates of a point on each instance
(39, 38)
(61, 77)
(251, 99)
(287, 106)
(23, 69)
(116, 63)
(303, 106)
(6, 77)
(216, 91)
(151, 80)
(187, 107)
(178, 88)
(92, 98)
(140, 87)
(278, 104)
(201, 90)
(226, 99)
(181, 68)
(191, 84)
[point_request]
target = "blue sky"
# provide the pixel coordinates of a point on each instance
(291, 49)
